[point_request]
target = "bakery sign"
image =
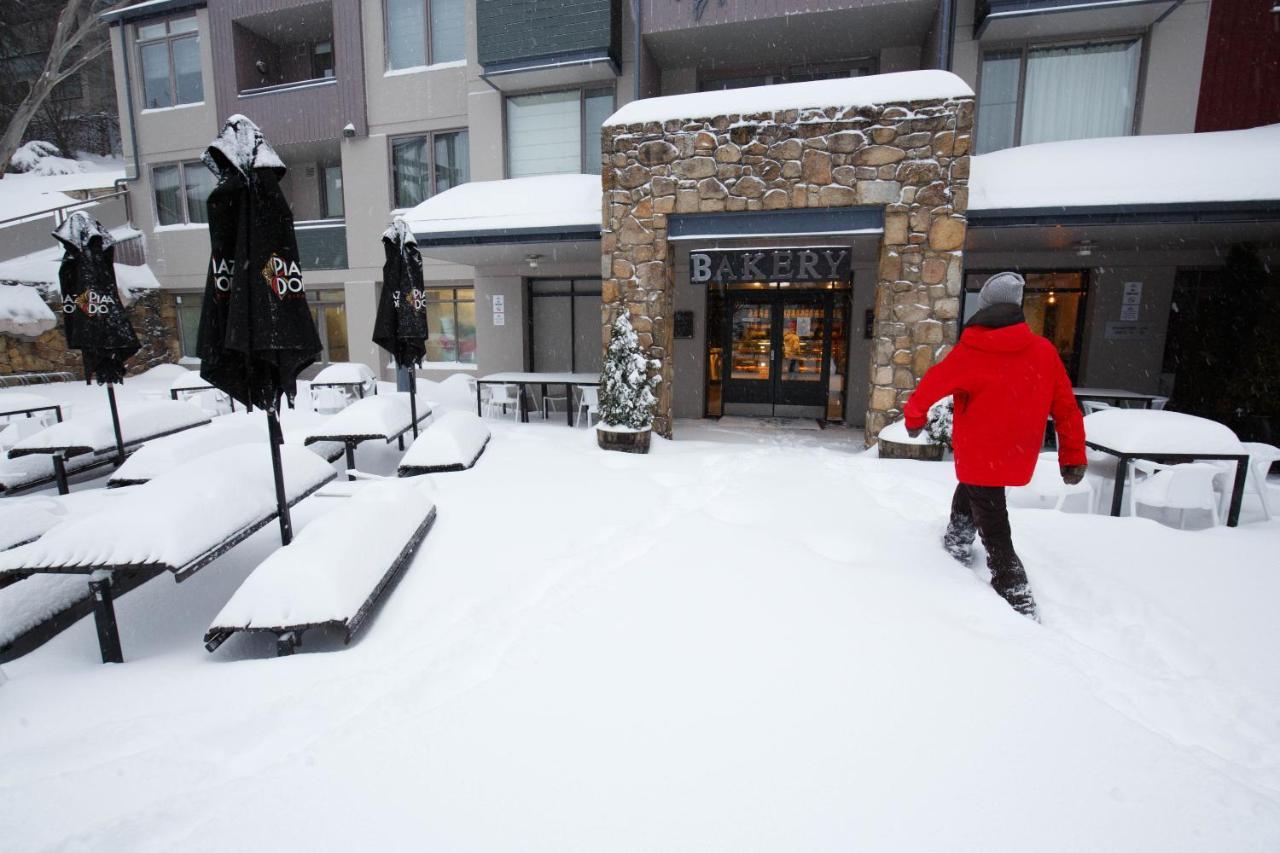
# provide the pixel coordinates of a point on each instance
(740, 266)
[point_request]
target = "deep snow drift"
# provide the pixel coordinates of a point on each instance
(720, 646)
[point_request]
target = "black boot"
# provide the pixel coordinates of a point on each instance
(961, 529)
(1009, 579)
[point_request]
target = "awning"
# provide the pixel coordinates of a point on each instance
(571, 69)
(1020, 19)
(776, 224)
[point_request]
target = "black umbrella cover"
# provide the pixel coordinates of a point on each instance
(256, 330)
(401, 325)
(92, 313)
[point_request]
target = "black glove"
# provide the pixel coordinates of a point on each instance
(1072, 474)
(915, 433)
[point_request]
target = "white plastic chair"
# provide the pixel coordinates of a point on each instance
(1261, 458)
(549, 401)
(1159, 403)
(1181, 487)
(501, 396)
(1091, 406)
(1047, 484)
(588, 404)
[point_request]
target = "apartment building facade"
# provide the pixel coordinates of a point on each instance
(379, 107)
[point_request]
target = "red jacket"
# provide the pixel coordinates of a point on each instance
(1005, 381)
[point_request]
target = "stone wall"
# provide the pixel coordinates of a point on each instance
(155, 320)
(911, 159)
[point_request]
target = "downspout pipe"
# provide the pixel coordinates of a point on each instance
(946, 33)
(635, 21)
(133, 124)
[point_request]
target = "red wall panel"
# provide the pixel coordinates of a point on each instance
(1240, 84)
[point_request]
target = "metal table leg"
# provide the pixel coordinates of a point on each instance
(479, 414)
(568, 404)
(60, 472)
(1117, 494)
(1237, 492)
(351, 458)
(104, 617)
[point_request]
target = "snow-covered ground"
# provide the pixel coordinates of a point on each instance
(747, 640)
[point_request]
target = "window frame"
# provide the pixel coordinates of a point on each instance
(179, 308)
(430, 137)
(582, 119)
(167, 39)
(575, 290)
(181, 166)
(322, 169)
(428, 53)
(868, 63)
(455, 301)
(1023, 48)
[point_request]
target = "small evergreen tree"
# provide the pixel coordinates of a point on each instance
(626, 389)
(940, 420)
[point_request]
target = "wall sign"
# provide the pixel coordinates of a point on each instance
(1128, 331)
(739, 266)
(499, 309)
(684, 325)
(1131, 302)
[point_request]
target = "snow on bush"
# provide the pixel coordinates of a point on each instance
(626, 389)
(43, 158)
(940, 420)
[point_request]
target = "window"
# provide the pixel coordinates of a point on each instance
(422, 166)
(169, 52)
(424, 32)
(322, 59)
(331, 192)
(1048, 93)
(451, 325)
(792, 74)
(564, 325)
(188, 305)
(181, 192)
(1053, 303)
(329, 311)
(551, 133)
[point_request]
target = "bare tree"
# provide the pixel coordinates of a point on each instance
(79, 38)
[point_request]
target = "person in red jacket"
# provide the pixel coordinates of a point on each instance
(1005, 380)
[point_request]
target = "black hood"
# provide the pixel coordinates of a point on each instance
(92, 312)
(998, 316)
(400, 327)
(256, 330)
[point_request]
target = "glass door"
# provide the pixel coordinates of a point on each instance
(805, 349)
(750, 376)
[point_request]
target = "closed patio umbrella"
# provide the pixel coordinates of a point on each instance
(400, 327)
(256, 329)
(92, 312)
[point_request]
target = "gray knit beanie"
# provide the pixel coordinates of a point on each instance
(1003, 287)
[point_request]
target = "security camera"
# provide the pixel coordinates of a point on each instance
(261, 66)
(349, 131)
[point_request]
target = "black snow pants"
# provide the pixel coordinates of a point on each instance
(982, 510)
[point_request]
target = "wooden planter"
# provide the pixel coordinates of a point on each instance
(625, 442)
(922, 452)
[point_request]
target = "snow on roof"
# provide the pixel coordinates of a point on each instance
(545, 201)
(23, 311)
(22, 194)
(898, 88)
(41, 268)
(1130, 170)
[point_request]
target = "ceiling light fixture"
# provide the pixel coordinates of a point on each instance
(1084, 248)
(532, 260)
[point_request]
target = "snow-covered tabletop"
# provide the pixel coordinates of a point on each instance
(181, 516)
(1112, 394)
(18, 402)
(453, 443)
(518, 378)
(93, 432)
(335, 567)
(1139, 431)
(345, 373)
(386, 416)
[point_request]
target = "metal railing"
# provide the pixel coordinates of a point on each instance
(322, 244)
(61, 212)
(14, 380)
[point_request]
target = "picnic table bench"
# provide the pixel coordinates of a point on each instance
(336, 570)
(28, 405)
(178, 522)
(93, 434)
(453, 443)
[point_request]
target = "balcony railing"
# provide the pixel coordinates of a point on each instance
(322, 244)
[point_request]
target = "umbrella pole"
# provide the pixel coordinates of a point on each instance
(413, 401)
(282, 505)
(115, 423)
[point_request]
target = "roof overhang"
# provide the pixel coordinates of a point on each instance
(151, 9)
(998, 20)
(820, 222)
(577, 68)
(505, 247)
(1182, 213)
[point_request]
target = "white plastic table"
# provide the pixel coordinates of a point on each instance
(523, 380)
(1161, 436)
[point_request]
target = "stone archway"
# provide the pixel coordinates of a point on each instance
(910, 158)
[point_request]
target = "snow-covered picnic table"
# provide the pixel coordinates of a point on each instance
(93, 433)
(27, 405)
(179, 522)
(1116, 396)
(1168, 437)
(386, 416)
(345, 379)
(523, 380)
(192, 383)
